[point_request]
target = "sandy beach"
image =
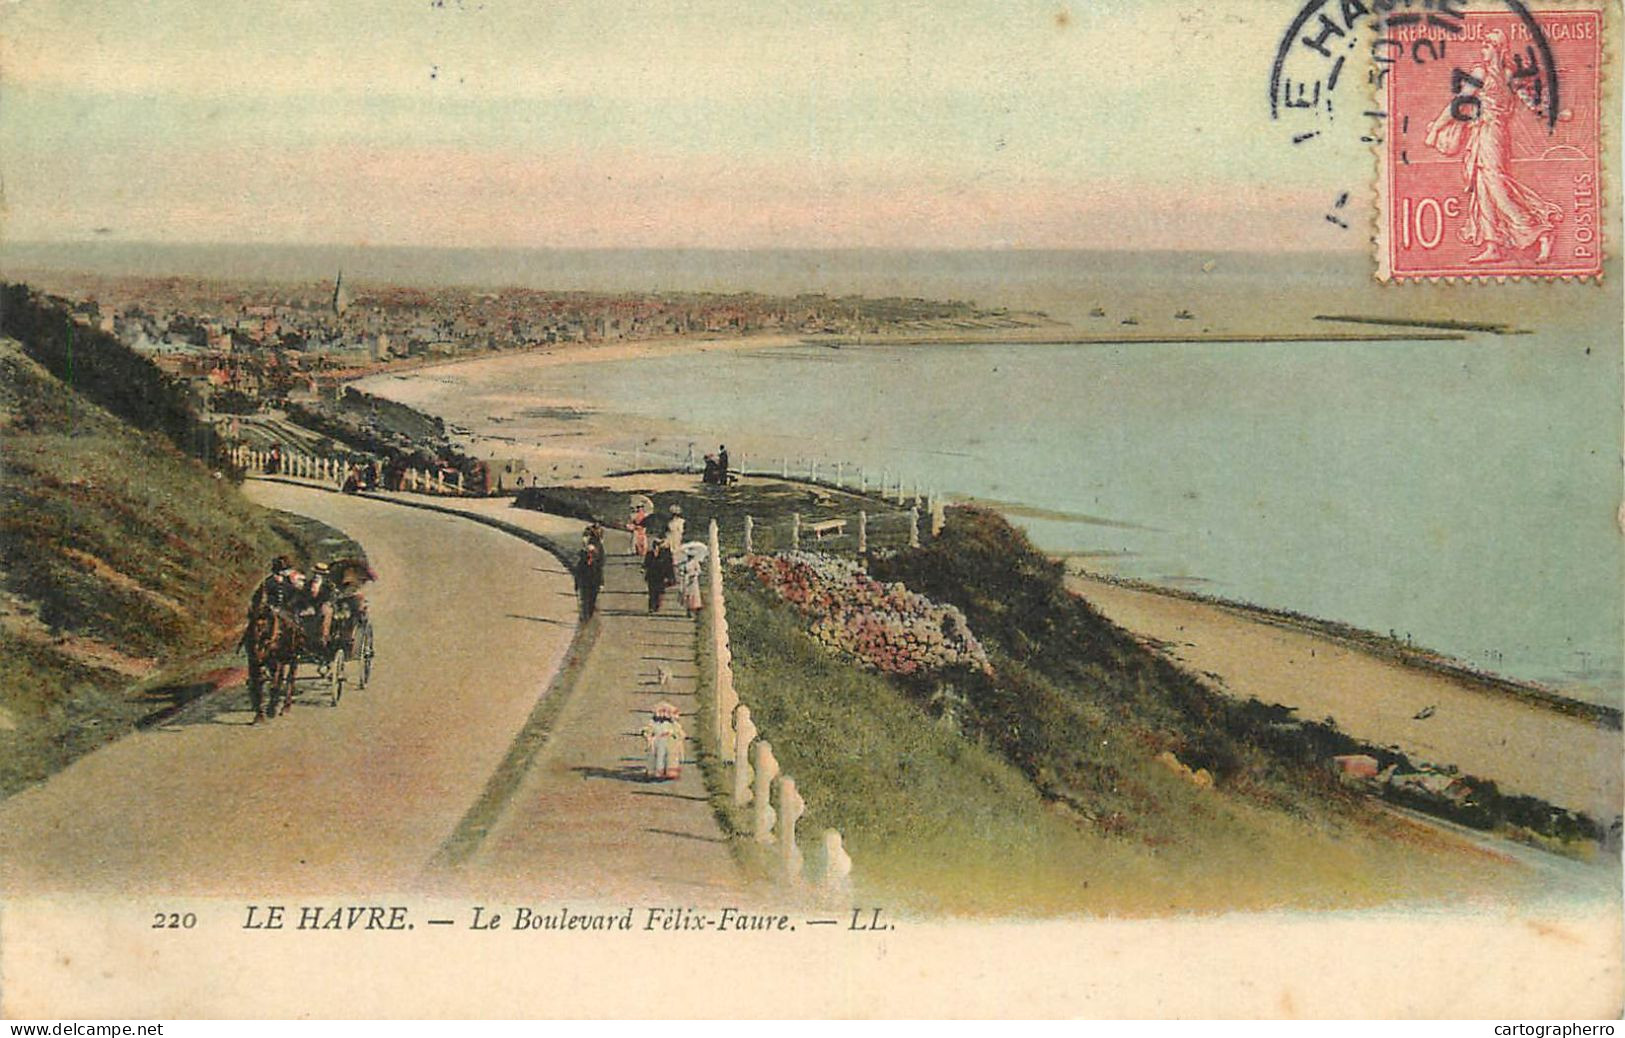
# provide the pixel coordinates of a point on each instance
(1526, 748)
(573, 441)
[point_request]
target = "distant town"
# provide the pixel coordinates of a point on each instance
(242, 345)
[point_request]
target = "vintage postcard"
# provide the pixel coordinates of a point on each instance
(716, 510)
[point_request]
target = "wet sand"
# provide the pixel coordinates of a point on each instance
(1526, 748)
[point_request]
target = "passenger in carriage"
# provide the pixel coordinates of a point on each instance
(316, 603)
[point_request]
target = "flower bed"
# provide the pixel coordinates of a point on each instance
(882, 626)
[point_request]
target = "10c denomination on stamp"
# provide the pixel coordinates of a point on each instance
(1491, 167)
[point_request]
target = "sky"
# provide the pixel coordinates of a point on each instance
(951, 124)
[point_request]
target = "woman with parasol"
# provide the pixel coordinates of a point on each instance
(688, 570)
(642, 508)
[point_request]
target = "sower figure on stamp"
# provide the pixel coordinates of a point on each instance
(1502, 212)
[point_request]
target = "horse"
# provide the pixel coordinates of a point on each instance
(272, 642)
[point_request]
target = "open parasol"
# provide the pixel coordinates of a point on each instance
(694, 550)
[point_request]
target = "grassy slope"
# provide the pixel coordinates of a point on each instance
(1041, 794)
(121, 562)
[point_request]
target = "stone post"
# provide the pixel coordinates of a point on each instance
(459, 482)
(939, 517)
(791, 808)
(914, 527)
(835, 876)
(439, 481)
(744, 735)
(767, 769)
(722, 675)
(863, 533)
(750, 529)
(795, 531)
(785, 463)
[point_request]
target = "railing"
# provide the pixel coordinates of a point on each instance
(887, 483)
(758, 784)
(335, 471)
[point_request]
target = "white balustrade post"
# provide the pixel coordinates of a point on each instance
(744, 734)
(863, 533)
(795, 531)
(863, 480)
(939, 517)
(767, 769)
(914, 527)
(688, 466)
(836, 875)
(839, 467)
(791, 808)
(439, 481)
(750, 529)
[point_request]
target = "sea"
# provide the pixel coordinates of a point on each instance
(1463, 494)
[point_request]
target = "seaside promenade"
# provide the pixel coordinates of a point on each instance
(568, 813)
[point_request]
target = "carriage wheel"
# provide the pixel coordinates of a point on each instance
(364, 650)
(336, 675)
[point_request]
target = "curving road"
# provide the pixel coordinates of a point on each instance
(472, 625)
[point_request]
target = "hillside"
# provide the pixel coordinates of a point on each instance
(1080, 771)
(123, 566)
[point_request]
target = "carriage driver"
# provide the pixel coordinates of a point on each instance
(278, 587)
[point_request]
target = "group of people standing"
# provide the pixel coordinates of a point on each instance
(666, 560)
(716, 468)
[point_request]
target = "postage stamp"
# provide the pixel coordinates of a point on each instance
(1490, 168)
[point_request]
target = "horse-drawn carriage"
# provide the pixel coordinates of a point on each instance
(281, 637)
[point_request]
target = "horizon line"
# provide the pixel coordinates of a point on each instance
(721, 249)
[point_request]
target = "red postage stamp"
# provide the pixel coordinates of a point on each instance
(1491, 164)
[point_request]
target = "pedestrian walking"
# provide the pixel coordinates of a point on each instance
(690, 572)
(663, 739)
(589, 570)
(658, 574)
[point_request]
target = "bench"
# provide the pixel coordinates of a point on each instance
(823, 526)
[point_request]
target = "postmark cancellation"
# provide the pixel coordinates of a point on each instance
(1491, 167)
